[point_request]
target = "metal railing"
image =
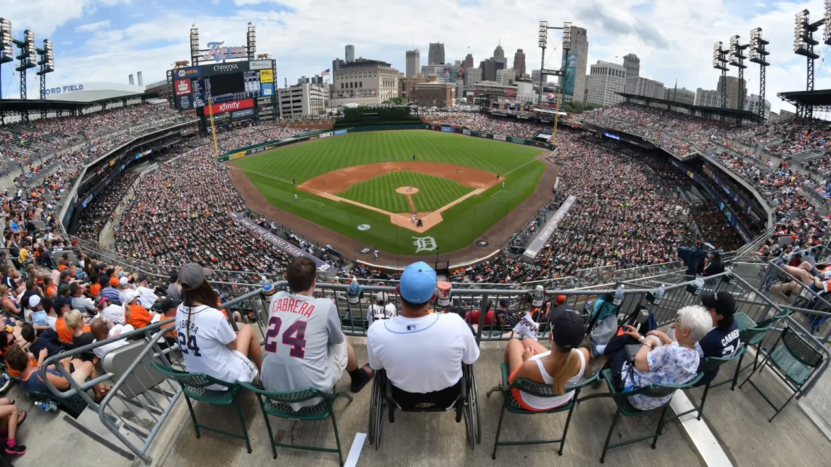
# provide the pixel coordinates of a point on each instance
(140, 402)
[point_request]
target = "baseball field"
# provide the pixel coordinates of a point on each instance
(369, 186)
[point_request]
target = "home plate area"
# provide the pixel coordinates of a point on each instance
(379, 188)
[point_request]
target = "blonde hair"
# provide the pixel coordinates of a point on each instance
(4, 289)
(569, 370)
(128, 313)
(74, 320)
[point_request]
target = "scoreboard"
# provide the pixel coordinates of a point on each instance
(196, 87)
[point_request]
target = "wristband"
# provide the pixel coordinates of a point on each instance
(641, 339)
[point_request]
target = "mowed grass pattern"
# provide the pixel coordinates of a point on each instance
(433, 192)
(308, 160)
(272, 173)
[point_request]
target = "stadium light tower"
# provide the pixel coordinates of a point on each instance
(543, 42)
(251, 41)
(47, 65)
(6, 46)
(194, 45)
(803, 44)
(720, 63)
(737, 60)
(28, 58)
(758, 55)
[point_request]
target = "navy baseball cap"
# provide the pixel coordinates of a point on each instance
(418, 283)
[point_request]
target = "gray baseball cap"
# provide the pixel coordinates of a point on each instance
(192, 276)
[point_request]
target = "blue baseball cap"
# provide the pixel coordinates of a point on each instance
(418, 283)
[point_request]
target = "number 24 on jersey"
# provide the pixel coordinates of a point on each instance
(293, 336)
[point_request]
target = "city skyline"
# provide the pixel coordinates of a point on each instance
(106, 40)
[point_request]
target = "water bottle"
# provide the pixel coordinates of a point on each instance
(618, 295)
(268, 288)
(659, 295)
(46, 406)
(698, 284)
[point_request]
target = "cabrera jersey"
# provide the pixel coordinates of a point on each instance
(204, 344)
(298, 344)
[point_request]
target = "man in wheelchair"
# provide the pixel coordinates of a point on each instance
(422, 352)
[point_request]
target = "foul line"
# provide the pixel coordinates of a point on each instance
(496, 194)
(312, 201)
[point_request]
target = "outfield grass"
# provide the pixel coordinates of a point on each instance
(272, 173)
(433, 192)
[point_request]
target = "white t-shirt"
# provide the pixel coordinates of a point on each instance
(204, 345)
(424, 354)
(51, 320)
(146, 297)
(114, 313)
(100, 352)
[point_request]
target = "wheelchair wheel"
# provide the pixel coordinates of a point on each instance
(376, 414)
(475, 410)
(471, 412)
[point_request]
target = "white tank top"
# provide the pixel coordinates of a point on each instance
(545, 403)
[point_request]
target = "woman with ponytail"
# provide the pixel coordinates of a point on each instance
(559, 367)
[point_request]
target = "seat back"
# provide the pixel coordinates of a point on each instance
(801, 349)
(190, 381)
(119, 361)
(713, 363)
(655, 390)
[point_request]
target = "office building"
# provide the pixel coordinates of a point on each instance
(574, 86)
(442, 72)
(435, 55)
(302, 100)
(753, 103)
(645, 87)
(413, 63)
(633, 66)
(406, 86)
(472, 76)
(506, 77)
(604, 83)
(706, 98)
(682, 96)
(519, 62)
(364, 81)
(468, 63)
(490, 66)
(434, 94)
(316, 79)
(732, 91)
(490, 90)
(350, 53)
(498, 52)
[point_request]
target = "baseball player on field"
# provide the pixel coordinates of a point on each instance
(304, 344)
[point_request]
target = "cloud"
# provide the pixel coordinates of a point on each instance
(673, 39)
(91, 27)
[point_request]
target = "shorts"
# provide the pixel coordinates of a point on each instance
(338, 360)
(79, 376)
(244, 369)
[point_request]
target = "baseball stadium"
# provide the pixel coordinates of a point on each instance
(207, 271)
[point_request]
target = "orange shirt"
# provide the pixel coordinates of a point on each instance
(52, 291)
(64, 334)
(16, 374)
(94, 289)
(139, 316)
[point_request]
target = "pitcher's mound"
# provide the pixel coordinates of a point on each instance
(405, 190)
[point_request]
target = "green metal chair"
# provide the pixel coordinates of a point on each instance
(278, 404)
(794, 360)
(195, 386)
(510, 404)
(751, 334)
(711, 364)
(625, 408)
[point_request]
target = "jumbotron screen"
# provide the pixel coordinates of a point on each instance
(195, 87)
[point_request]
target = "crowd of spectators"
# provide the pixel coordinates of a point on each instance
(499, 126)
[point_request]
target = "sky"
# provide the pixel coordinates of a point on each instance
(106, 40)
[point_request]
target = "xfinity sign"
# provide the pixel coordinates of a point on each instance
(230, 106)
(219, 53)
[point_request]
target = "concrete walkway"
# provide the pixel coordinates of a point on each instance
(738, 419)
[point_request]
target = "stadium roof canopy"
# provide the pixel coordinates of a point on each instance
(821, 98)
(52, 104)
(694, 109)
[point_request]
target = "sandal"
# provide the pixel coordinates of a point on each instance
(21, 417)
(104, 392)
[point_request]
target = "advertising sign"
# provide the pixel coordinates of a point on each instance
(182, 87)
(236, 156)
(267, 76)
(340, 132)
(260, 64)
(571, 74)
(230, 106)
(545, 233)
(240, 114)
(278, 242)
(187, 72)
(266, 89)
(499, 137)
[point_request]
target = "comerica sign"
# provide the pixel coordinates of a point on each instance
(230, 106)
(217, 52)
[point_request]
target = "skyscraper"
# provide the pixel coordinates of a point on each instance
(574, 86)
(633, 65)
(519, 62)
(350, 53)
(498, 52)
(413, 63)
(732, 92)
(435, 55)
(468, 63)
(605, 82)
